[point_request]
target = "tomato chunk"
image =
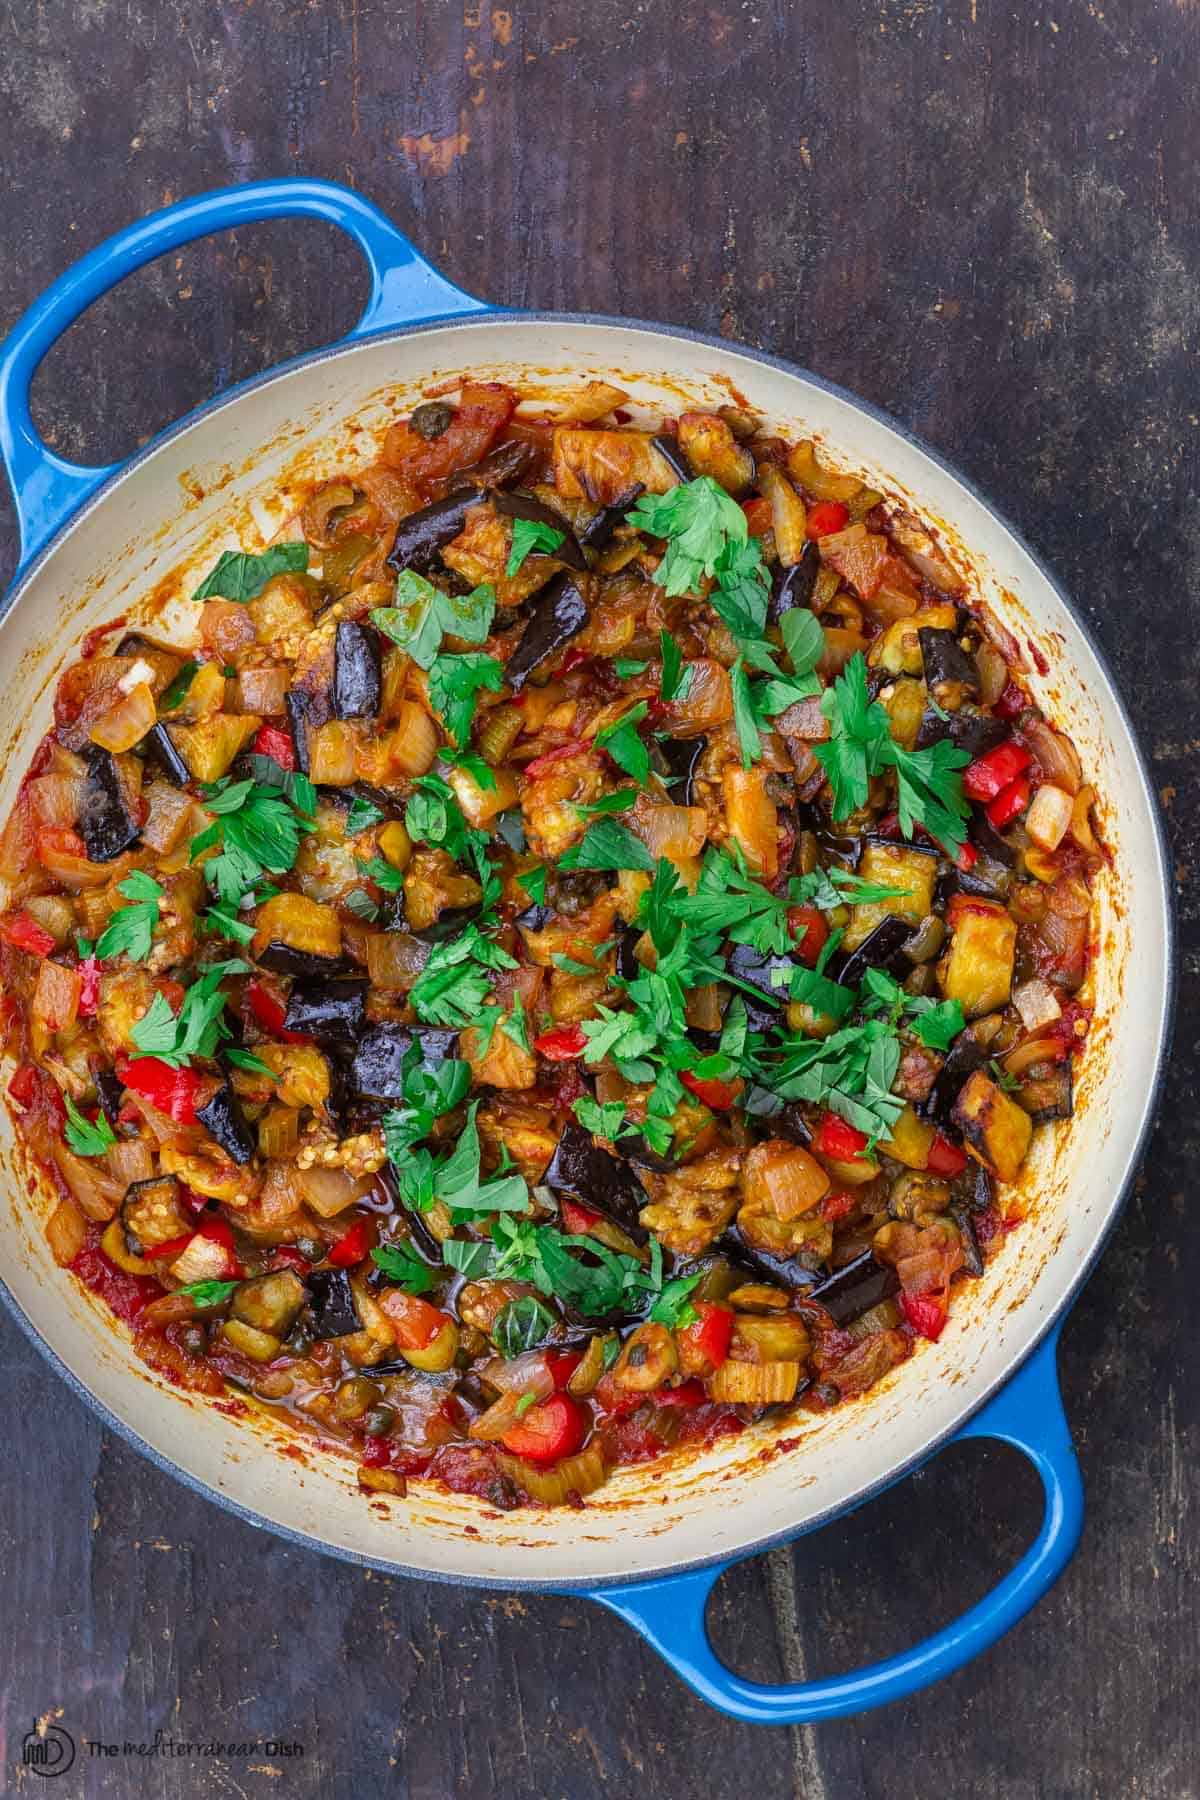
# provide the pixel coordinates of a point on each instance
(945, 1158)
(720, 1095)
(827, 517)
(23, 932)
(275, 742)
(353, 1245)
(550, 1430)
(808, 928)
(175, 1092)
(561, 1044)
(710, 1336)
(924, 1313)
(838, 1139)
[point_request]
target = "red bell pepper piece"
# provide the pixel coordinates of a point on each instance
(710, 1336)
(175, 1092)
(1009, 803)
(1011, 702)
(24, 1085)
(808, 928)
(689, 1393)
(720, 1095)
(836, 1205)
(353, 1245)
(268, 1010)
(924, 1313)
(89, 992)
(550, 1430)
(572, 660)
(540, 764)
(965, 857)
(24, 933)
(562, 1364)
(578, 1219)
(945, 1158)
(561, 1044)
(827, 517)
(838, 1139)
(275, 742)
(989, 775)
(171, 1249)
(288, 1257)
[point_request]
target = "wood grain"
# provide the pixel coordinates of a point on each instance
(979, 216)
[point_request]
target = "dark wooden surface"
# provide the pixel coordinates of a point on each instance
(981, 216)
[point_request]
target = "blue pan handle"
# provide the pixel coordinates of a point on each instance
(1028, 1414)
(404, 289)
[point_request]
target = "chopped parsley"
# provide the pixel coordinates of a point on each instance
(619, 801)
(83, 1136)
(363, 815)
(404, 1267)
(454, 681)
(241, 575)
(456, 981)
(522, 1325)
(529, 535)
(209, 1293)
(604, 1120)
(131, 928)
(624, 745)
(428, 1094)
(257, 831)
(423, 614)
(197, 1028)
(676, 681)
(607, 845)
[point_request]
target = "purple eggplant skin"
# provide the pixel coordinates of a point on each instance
(965, 1055)
(329, 1008)
(105, 823)
(972, 1254)
(599, 533)
(791, 1123)
(748, 965)
(498, 469)
(987, 840)
(534, 918)
(377, 1069)
(945, 660)
(519, 505)
(882, 948)
(850, 1292)
(974, 732)
(357, 671)
(795, 586)
(225, 1123)
(762, 1265)
(422, 536)
(285, 959)
(668, 448)
(331, 1301)
(590, 1175)
(627, 965)
(110, 1093)
(682, 757)
(559, 612)
(297, 712)
(157, 743)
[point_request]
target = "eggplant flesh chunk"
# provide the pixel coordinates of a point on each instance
(331, 1300)
(329, 1008)
(377, 1070)
(357, 671)
(850, 1292)
(105, 823)
(225, 1123)
(559, 613)
(579, 1167)
(974, 732)
(285, 959)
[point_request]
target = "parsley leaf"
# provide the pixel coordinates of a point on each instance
(459, 1183)
(362, 816)
(423, 614)
(246, 1059)
(534, 883)
(803, 639)
(676, 680)
(529, 535)
(383, 875)
(619, 801)
(623, 744)
(239, 575)
(470, 1257)
(608, 845)
(404, 1267)
(522, 1324)
(428, 1094)
(208, 1293)
(745, 718)
(673, 1308)
(196, 1029)
(454, 984)
(175, 691)
(603, 1120)
(627, 667)
(743, 588)
(131, 928)
(256, 831)
(697, 519)
(84, 1137)
(454, 682)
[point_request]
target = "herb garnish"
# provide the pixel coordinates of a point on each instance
(197, 1028)
(240, 575)
(131, 928)
(529, 535)
(85, 1137)
(423, 614)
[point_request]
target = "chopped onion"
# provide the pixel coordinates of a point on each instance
(92, 1187)
(130, 1160)
(993, 673)
(1036, 1002)
(66, 1233)
(528, 1373)
(55, 799)
(1081, 822)
(127, 723)
(1049, 816)
(499, 1418)
(412, 746)
(262, 691)
(331, 1191)
(707, 702)
(1053, 753)
(671, 831)
(395, 959)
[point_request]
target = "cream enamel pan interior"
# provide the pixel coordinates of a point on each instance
(229, 476)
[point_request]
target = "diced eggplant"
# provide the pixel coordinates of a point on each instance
(110, 1093)
(1047, 1097)
(422, 536)
(534, 918)
(909, 868)
(983, 1188)
(947, 664)
(634, 1149)
(977, 969)
(153, 1212)
(158, 745)
(297, 712)
(763, 1265)
(850, 1292)
(225, 1122)
(357, 671)
(448, 924)
(377, 1068)
(627, 966)
(285, 959)
(599, 533)
(330, 1009)
(559, 612)
(993, 1125)
(668, 448)
(987, 840)
(331, 1299)
(760, 1016)
(985, 880)
(269, 1302)
(105, 823)
(580, 1168)
(518, 505)
(682, 758)
(972, 1254)
(974, 732)
(790, 1122)
(748, 965)
(966, 1054)
(498, 469)
(882, 948)
(796, 585)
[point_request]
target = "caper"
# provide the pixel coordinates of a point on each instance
(312, 1249)
(378, 1421)
(430, 419)
(355, 1397)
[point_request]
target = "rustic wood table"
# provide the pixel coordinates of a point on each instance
(980, 216)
